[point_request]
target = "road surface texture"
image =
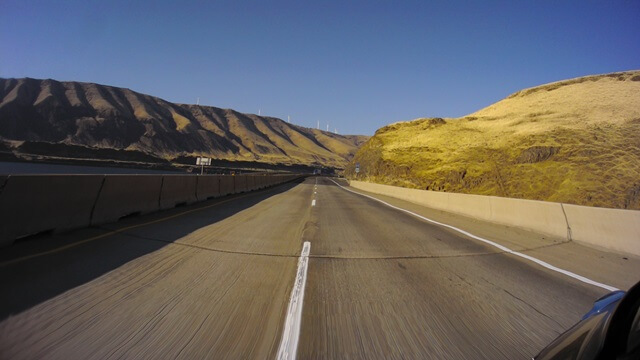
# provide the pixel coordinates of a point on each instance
(214, 280)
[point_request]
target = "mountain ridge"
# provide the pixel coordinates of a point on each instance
(108, 117)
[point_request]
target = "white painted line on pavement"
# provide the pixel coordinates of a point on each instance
(313, 202)
(291, 334)
(501, 247)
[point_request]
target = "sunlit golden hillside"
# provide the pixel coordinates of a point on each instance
(575, 141)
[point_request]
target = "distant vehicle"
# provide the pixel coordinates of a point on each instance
(610, 330)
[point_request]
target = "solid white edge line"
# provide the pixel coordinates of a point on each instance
(501, 247)
(291, 334)
(313, 202)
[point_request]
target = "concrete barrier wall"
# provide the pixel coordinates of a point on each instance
(30, 204)
(611, 229)
(208, 187)
(261, 181)
(178, 189)
(227, 185)
(540, 216)
(124, 195)
(240, 184)
(251, 182)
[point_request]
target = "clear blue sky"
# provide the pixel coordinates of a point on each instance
(358, 65)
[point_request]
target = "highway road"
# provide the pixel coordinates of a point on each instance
(214, 280)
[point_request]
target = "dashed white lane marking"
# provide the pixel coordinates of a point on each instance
(313, 202)
(501, 247)
(291, 334)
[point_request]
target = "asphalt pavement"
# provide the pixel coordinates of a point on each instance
(214, 280)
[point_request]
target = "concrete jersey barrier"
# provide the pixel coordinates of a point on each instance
(30, 204)
(240, 183)
(613, 229)
(260, 181)
(227, 185)
(251, 182)
(610, 229)
(208, 187)
(178, 189)
(124, 195)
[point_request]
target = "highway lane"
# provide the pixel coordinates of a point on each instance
(211, 284)
(215, 283)
(384, 284)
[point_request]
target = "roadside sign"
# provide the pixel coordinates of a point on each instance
(203, 161)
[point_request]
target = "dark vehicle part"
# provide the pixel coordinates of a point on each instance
(610, 330)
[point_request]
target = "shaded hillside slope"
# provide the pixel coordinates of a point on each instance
(106, 117)
(574, 141)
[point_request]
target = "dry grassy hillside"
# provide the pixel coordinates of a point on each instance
(104, 117)
(574, 141)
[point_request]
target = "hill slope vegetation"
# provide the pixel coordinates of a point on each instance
(574, 141)
(137, 126)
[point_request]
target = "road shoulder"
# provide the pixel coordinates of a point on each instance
(619, 270)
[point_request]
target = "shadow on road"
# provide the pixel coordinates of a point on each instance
(68, 262)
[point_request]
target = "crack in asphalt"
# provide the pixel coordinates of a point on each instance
(535, 309)
(318, 256)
